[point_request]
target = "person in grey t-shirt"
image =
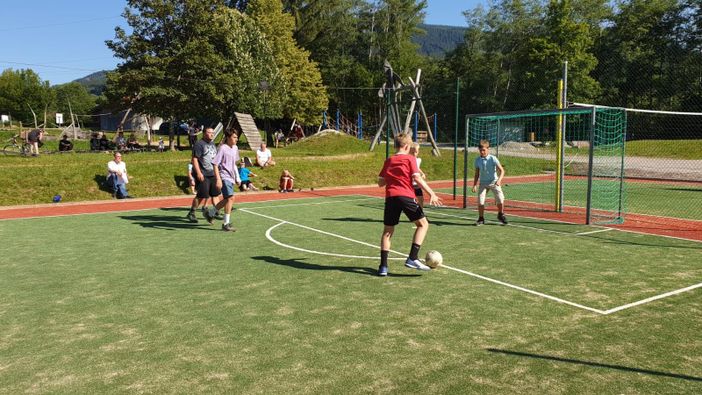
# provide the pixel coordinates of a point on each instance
(206, 184)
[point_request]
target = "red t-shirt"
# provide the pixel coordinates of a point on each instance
(397, 172)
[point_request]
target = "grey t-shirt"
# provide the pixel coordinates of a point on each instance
(205, 152)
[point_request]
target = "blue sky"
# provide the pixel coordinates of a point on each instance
(65, 40)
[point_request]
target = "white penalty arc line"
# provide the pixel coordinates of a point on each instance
(505, 284)
(553, 298)
(274, 241)
(282, 221)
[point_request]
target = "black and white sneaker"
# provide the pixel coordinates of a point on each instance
(480, 221)
(383, 270)
(209, 216)
(228, 228)
(191, 217)
(501, 217)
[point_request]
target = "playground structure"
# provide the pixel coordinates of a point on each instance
(391, 91)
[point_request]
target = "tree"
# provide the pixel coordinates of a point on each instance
(562, 38)
(21, 92)
(640, 54)
(304, 96)
(191, 59)
(81, 101)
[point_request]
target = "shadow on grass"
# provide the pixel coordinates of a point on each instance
(595, 364)
(297, 264)
(101, 181)
(380, 221)
(182, 183)
(167, 222)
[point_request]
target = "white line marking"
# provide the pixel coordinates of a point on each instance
(543, 295)
(651, 299)
(559, 300)
(269, 237)
(317, 230)
(485, 278)
(594, 231)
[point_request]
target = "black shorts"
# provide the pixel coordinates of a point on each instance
(207, 187)
(245, 185)
(418, 192)
(401, 204)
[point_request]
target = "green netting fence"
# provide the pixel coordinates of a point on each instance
(569, 160)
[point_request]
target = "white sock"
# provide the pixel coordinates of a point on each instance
(226, 218)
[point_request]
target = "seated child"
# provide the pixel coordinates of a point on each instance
(286, 182)
(245, 175)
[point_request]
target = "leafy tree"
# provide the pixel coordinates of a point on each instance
(191, 59)
(21, 90)
(81, 101)
(562, 38)
(304, 97)
(639, 55)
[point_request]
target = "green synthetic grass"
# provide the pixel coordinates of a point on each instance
(145, 302)
(668, 200)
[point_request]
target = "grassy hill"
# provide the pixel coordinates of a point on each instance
(319, 161)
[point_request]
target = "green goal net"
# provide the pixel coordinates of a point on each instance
(569, 160)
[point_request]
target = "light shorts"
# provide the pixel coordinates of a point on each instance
(496, 190)
(227, 188)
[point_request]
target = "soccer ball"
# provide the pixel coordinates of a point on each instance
(433, 259)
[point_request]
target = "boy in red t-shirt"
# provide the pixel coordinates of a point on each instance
(397, 175)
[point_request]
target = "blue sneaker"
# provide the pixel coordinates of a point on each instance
(416, 264)
(383, 270)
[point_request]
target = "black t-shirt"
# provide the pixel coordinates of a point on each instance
(33, 136)
(65, 145)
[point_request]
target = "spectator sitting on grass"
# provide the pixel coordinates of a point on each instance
(95, 141)
(132, 142)
(245, 175)
(264, 157)
(65, 145)
(120, 141)
(105, 144)
(117, 177)
(287, 181)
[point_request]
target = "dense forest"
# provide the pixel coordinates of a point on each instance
(294, 59)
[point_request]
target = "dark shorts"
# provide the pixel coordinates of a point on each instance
(207, 187)
(245, 184)
(418, 192)
(396, 205)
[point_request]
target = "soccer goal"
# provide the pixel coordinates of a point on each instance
(567, 160)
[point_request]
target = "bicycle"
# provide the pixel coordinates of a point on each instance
(16, 146)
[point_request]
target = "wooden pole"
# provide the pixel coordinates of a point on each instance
(73, 122)
(36, 125)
